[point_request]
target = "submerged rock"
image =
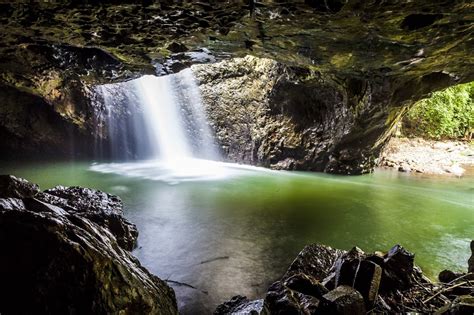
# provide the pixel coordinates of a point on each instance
(60, 262)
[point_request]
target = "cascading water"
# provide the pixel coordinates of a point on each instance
(159, 118)
(160, 124)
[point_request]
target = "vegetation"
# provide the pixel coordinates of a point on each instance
(446, 114)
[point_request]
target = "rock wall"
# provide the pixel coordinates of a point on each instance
(269, 114)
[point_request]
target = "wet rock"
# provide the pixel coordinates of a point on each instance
(362, 275)
(13, 187)
(97, 206)
(314, 260)
(300, 290)
(397, 269)
(345, 300)
(283, 300)
(11, 204)
(351, 285)
(305, 284)
(240, 305)
(471, 259)
(60, 262)
(447, 276)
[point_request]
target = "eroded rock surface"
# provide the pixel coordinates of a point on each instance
(269, 114)
(59, 261)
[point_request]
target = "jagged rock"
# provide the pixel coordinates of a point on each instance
(283, 300)
(363, 275)
(11, 204)
(306, 285)
(397, 269)
(59, 262)
(97, 206)
(300, 290)
(13, 187)
(314, 260)
(471, 259)
(345, 300)
(240, 305)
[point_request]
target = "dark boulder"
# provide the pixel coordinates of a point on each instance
(362, 275)
(315, 260)
(397, 269)
(60, 262)
(300, 291)
(447, 276)
(97, 206)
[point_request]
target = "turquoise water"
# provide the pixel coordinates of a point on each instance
(251, 223)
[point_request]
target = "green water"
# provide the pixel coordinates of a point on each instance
(258, 221)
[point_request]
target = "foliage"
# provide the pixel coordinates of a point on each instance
(446, 114)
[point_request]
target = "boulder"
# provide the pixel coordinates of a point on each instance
(362, 275)
(60, 262)
(447, 276)
(397, 269)
(300, 290)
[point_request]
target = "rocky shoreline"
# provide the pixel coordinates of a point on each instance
(324, 280)
(428, 156)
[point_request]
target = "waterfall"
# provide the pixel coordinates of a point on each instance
(160, 118)
(157, 129)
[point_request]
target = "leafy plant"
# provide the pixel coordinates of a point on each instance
(446, 114)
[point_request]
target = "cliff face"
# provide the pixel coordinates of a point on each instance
(343, 70)
(269, 114)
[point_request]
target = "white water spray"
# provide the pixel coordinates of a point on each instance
(162, 116)
(161, 120)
